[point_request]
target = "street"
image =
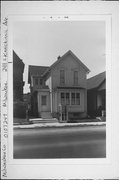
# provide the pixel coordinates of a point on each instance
(65, 142)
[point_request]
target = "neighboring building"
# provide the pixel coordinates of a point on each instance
(27, 98)
(96, 87)
(18, 83)
(60, 87)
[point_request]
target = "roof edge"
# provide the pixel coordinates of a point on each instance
(57, 61)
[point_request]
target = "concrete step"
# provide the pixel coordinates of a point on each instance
(46, 115)
(40, 120)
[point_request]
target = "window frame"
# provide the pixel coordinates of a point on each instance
(62, 77)
(67, 98)
(75, 77)
(77, 100)
(72, 99)
(62, 97)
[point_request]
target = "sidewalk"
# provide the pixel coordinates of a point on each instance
(57, 124)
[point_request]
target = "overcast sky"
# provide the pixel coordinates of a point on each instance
(40, 43)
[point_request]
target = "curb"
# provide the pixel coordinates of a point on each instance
(58, 125)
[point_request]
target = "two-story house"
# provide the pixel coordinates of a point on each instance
(62, 87)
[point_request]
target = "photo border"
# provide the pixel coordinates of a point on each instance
(9, 74)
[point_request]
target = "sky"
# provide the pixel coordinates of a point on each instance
(41, 42)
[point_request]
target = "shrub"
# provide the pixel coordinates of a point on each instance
(19, 109)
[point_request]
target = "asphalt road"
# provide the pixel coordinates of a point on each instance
(66, 142)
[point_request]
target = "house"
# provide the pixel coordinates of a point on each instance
(18, 83)
(59, 90)
(96, 94)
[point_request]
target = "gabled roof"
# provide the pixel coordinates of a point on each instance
(44, 70)
(61, 59)
(36, 71)
(96, 81)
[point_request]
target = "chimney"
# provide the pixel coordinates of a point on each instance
(58, 57)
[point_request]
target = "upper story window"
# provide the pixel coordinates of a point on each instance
(36, 81)
(75, 77)
(62, 77)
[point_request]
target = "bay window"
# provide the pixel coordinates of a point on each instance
(71, 98)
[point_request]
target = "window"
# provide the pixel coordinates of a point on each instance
(62, 77)
(75, 77)
(36, 81)
(62, 98)
(77, 98)
(72, 98)
(43, 100)
(67, 99)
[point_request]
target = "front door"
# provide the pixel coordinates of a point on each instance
(44, 102)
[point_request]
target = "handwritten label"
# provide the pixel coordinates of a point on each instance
(4, 93)
(4, 67)
(4, 161)
(5, 126)
(5, 21)
(4, 100)
(5, 45)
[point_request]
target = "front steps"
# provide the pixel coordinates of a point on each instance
(43, 121)
(46, 115)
